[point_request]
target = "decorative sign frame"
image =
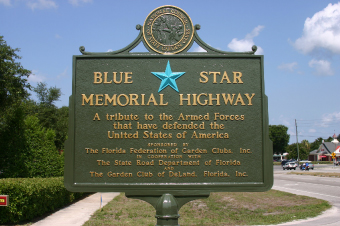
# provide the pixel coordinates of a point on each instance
(168, 120)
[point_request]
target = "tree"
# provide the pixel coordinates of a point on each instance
(306, 144)
(13, 93)
(13, 143)
(280, 138)
(329, 139)
(27, 149)
(61, 128)
(292, 151)
(48, 114)
(13, 84)
(316, 144)
(305, 149)
(45, 108)
(47, 97)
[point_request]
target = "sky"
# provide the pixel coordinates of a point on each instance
(300, 41)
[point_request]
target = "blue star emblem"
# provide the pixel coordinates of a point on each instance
(168, 78)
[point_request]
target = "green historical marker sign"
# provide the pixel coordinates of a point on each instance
(168, 121)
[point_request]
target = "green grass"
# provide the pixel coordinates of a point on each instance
(319, 174)
(219, 209)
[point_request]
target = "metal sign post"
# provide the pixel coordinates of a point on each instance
(168, 126)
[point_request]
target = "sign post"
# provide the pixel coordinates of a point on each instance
(168, 126)
(334, 158)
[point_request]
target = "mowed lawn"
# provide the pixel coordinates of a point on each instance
(224, 208)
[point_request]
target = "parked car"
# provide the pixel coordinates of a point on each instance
(284, 162)
(289, 166)
(310, 164)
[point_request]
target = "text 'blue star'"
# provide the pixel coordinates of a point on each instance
(168, 78)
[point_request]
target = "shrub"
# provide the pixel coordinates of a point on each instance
(33, 197)
(42, 159)
(33, 155)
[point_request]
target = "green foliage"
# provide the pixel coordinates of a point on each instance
(33, 197)
(13, 91)
(278, 135)
(13, 83)
(32, 152)
(61, 127)
(48, 114)
(30, 133)
(13, 145)
(316, 144)
(329, 139)
(47, 97)
(303, 151)
(42, 158)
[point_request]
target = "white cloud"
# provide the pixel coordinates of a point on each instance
(5, 2)
(288, 67)
(35, 77)
(285, 121)
(322, 67)
(78, 2)
(312, 130)
(63, 74)
(292, 132)
(57, 36)
(244, 45)
(199, 49)
(321, 31)
(329, 119)
(41, 4)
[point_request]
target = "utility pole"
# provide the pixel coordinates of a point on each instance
(297, 143)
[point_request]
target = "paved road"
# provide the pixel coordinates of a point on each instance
(325, 188)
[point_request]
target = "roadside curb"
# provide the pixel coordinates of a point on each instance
(326, 214)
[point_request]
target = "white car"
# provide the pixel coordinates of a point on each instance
(290, 166)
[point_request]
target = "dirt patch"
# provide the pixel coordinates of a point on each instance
(273, 213)
(198, 204)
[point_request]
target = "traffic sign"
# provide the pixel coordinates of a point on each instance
(3, 200)
(333, 155)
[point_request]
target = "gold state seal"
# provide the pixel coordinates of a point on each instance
(168, 30)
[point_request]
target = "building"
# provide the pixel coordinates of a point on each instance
(324, 152)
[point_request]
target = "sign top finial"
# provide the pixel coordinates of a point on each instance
(168, 30)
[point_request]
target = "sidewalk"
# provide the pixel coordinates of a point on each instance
(77, 213)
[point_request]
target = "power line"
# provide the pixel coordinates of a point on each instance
(301, 120)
